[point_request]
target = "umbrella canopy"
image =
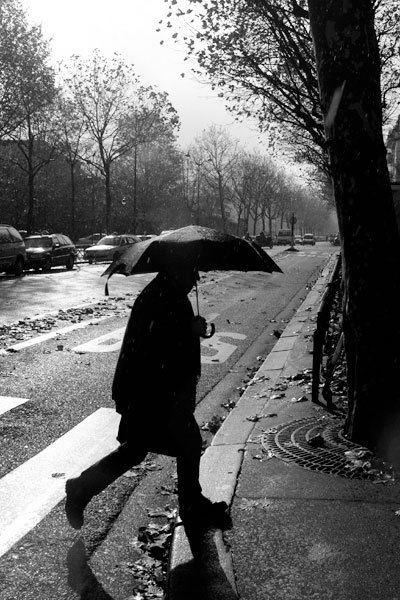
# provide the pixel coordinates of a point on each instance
(193, 246)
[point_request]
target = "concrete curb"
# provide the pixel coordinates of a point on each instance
(222, 462)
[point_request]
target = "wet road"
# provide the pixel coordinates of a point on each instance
(55, 399)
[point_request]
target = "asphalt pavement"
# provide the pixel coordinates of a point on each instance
(306, 523)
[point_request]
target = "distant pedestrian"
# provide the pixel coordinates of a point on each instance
(154, 389)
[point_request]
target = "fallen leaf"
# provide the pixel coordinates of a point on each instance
(254, 418)
(317, 441)
(301, 399)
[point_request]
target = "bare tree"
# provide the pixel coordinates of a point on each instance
(109, 98)
(71, 134)
(26, 80)
(258, 54)
(219, 154)
(27, 92)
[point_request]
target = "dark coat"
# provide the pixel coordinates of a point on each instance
(159, 362)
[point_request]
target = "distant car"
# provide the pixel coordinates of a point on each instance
(12, 251)
(110, 247)
(47, 251)
(335, 241)
(298, 239)
(264, 240)
(308, 238)
(85, 242)
(284, 237)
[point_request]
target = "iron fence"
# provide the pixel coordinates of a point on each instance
(323, 317)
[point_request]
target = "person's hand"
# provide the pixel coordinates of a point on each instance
(199, 326)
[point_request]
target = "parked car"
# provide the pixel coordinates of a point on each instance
(335, 241)
(284, 237)
(298, 239)
(110, 247)
(52, 250)
(146, 237)
(12, 251)
(90, 240)
(264, 240)
(308, 238)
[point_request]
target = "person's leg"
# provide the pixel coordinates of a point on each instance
(80, 490)
(181, 437)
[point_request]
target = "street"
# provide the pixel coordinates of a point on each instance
(56, 413)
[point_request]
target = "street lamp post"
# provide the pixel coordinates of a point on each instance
(198, 163)
(293, 220)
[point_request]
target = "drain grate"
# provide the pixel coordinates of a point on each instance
(291, 442)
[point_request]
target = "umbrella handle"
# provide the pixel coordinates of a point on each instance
(197, 299)
(212, 331)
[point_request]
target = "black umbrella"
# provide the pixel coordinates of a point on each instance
(198, 247)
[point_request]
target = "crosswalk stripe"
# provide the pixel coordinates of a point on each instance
(8, 402)
(52, 334)
(28, 493)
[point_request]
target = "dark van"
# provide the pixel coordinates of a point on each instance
(12, 251)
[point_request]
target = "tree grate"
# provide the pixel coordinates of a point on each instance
(292, 442)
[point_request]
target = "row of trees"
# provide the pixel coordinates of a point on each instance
(222, 180)
(259, 56)
(325, 77)
(88, 114)
(214, 182)
(87, 147)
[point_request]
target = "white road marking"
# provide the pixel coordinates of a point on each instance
(31, 491)
(211, 317)
(9, 402)
(52, 334)
(111, 342)
(223, 349)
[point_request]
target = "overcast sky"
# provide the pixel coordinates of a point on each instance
(128, 27)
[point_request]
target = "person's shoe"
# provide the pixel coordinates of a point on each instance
(205, 514)
(216, 514)
(75, 503)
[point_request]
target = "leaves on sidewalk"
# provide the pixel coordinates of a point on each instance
(364, 463)
(214, 424)
(154, 540)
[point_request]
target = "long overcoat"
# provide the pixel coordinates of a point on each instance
(159, 361)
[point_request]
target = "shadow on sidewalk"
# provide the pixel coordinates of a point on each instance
(203, 577)
(80, 576)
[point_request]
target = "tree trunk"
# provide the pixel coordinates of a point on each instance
(349, 79)
(30, 220)
(108, 197)
(221, 201)
(270, 225)
(134, 220)
(73, 200)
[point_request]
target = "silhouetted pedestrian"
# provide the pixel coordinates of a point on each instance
(154, 389)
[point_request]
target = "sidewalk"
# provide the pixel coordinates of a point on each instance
(302, 527)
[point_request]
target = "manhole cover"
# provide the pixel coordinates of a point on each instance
(291, 442)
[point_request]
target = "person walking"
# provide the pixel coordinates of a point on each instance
(154, 390)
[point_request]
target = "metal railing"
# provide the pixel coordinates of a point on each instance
(323, 317)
